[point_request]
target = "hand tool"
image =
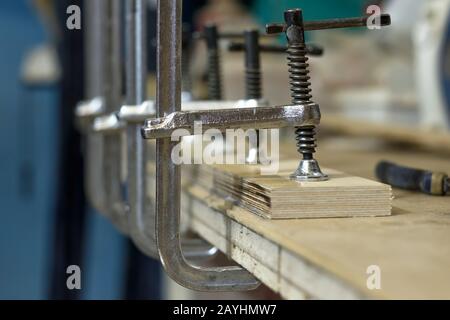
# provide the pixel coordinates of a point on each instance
(428, 182)
(295, 27)
(168, 178)
(139, 207)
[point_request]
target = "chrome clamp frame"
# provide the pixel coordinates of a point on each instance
(168, 175)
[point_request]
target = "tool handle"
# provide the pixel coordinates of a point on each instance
(275, 28)
(312, 49)
(410, 178)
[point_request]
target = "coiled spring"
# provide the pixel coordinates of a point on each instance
(301, 94)
(253, 83)
(214, 76)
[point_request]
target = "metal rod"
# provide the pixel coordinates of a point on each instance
(103, 149)
(111, 163)
(312, 49)
(94, 80)
(141, 212)
(226, 35)
(168, 184)
(385, 20)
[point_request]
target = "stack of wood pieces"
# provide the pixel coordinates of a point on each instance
(278, 197)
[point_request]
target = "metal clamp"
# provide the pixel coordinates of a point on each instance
(141, 209)
(168, 175)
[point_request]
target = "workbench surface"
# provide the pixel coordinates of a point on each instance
(329, 258)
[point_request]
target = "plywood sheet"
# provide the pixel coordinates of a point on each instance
(278, 197)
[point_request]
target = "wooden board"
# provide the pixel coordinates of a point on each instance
(278, 197)
(328, 258)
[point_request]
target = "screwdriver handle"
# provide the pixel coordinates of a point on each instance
(432, 183)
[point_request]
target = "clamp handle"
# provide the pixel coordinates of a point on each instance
(292, 18)
(313, 49)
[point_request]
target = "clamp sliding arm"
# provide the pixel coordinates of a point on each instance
(223, 119)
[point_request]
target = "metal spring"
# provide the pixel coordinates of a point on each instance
(214, 76)
(253, 83)
(306, 140)
(299, 74)
(301, 94)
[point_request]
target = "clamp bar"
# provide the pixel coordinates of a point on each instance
(312, 49)
(104, 81)
(86, 111)
(141, 212)
(138, 114)
(223, 119)
(111, 160)
(168, 176)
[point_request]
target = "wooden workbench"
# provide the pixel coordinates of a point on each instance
(328, 258)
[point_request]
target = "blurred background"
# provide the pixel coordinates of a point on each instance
(396, 77)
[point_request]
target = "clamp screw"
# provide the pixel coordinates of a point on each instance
(253, 49)
(295, 28)
(309, 169)
(214, 71)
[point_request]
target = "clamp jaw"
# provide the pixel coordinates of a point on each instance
(223, 119)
